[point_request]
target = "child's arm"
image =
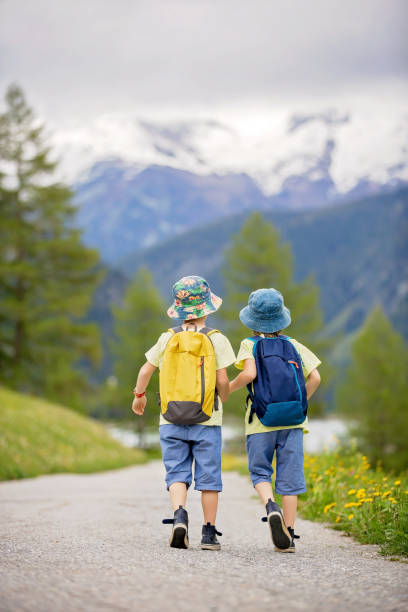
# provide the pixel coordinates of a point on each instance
(313, 381)
(247, 375)
(222, 384)
(143, 379)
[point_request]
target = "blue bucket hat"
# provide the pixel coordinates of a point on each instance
(265, 312)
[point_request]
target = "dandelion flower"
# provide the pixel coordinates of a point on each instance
(351, 492)
(328, 507)
(386, 494)
(397, 482)
(350, 516)
(338, 519)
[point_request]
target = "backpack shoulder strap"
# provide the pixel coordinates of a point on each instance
(208, 331)
(255, 340)
(175, 330)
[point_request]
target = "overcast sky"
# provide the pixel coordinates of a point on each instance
(78, 58)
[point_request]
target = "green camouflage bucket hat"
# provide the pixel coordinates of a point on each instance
(193, 299)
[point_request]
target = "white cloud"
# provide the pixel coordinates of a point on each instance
(183, 56)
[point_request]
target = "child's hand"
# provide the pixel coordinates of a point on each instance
(139, 405)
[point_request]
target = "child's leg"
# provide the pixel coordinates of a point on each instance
(177, 459)
(207, 469)
(178, 494)
(290, 480)
(264, 490)
(260, 449)
(209, 502)
(289, 507)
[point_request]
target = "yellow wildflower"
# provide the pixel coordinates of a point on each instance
(338, 519)
(392, 500)
(351, 492)
(360, 493)
(376, 493)
(386, 494)
(366, 500)
(350, 516)
(328, 507)
(397, 482)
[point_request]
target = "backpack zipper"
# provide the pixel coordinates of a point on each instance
(202, 381)
(296, 378)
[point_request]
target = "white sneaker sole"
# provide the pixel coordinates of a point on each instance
(210, 546)
(179, 537)
(279, 532)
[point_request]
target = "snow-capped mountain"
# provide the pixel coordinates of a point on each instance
(138, 182)
(368, 145)
(122, 210)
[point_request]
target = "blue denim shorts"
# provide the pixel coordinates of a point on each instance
(181, 444)
(288, 445)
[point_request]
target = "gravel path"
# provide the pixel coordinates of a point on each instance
(96, 543)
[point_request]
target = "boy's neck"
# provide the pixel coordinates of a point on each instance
(199, 323)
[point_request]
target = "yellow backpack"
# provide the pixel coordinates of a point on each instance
(188, 393)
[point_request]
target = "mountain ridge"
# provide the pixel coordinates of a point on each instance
(357, 252)
(121, 206)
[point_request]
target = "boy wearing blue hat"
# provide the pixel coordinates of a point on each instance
(192, 359)
(281, 376)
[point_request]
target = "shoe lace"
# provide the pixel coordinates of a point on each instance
(170, 521)
(292, 533)
(209, 526)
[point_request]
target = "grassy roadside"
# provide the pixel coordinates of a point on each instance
(344, 491)
(37, 437)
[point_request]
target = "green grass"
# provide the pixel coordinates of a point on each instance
(37, 437)
(344, 491)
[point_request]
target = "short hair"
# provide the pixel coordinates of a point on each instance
(267, 335)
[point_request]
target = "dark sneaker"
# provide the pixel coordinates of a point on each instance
(179, 534)
(209, 540)
(291, 548)
(279, 532)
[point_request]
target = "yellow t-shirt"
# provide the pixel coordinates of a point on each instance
(309, 362)
(224, 357)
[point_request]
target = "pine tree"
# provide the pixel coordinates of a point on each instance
(258, 259)
(374, 392)
(47, 276)
(137, 323)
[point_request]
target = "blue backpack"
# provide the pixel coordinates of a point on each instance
(278, 393)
